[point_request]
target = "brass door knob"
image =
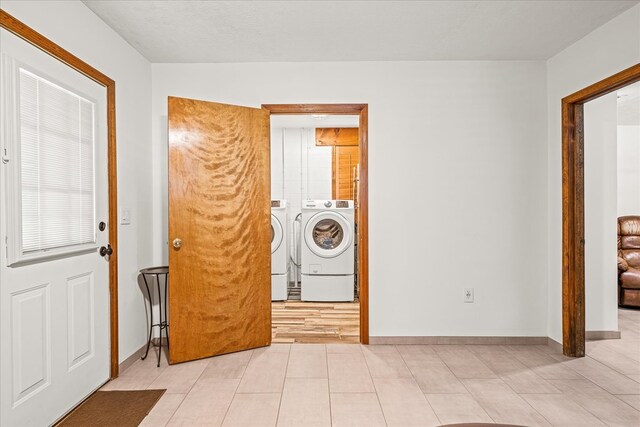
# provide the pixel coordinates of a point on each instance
(177, 243)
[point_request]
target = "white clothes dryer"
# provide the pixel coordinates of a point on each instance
(279, 250)
(327, 254)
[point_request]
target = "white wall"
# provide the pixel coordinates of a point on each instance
(458, 172)
(605, 51)
(467, 136)
(299, 169)
(73, 26)
(628, 170)
(600, 194)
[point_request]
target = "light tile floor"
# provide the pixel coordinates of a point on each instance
(306, 385)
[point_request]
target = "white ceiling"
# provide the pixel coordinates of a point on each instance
(314, 121)
(629, 105)
(293, 31)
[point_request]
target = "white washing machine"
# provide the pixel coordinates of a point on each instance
(327, 255)
(279, 250)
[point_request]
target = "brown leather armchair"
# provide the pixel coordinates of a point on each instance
(629, 261)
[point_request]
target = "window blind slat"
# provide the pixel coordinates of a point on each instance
(57, 141)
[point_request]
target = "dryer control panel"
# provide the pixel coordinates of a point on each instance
(327, 204)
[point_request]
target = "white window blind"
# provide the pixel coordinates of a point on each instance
(56, 167)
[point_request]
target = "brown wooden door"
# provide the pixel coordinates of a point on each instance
(219, 209)
(344, 165)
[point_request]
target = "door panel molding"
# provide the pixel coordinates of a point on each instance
(28, 34)
(361, 110)
(573, 244)
(32, 303)
(81, 319)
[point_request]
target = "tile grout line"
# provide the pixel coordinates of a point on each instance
(636, 362)
(600, 363)
(374, 386)
(157, 376)
(284, 380)
(199, 375)
(584, 378)
(326, 360)
(587, 409)
(184, 396)
(617, 396)
(610, 349)
(527, 369)
(475, 357)
(187, 393)
(418, 384)
(546, 379)
(235, 391)
(506, 384)
(247, 364)
(520, 397)
(608, 366)
(447, 366)
(328, 387)
(474, 398)
(422, 391)
(226, 412)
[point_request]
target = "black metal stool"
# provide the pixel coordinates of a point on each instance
(162, 324)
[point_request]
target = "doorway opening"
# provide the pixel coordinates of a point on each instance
(612, 220)
(319, 217)
(573, 206)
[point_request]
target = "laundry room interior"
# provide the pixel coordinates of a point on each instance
(314, 228)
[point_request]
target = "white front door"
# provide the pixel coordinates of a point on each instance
(54, 289)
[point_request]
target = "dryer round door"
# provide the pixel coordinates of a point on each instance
(328, 234)
(276, 233)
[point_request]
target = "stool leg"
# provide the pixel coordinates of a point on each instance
(160, 316)
(166, 295)
(146, 353)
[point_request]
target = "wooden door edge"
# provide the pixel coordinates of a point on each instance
(361, 110)
(573, 250)
(28, 34)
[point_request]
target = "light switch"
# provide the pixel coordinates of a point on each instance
(125, 216)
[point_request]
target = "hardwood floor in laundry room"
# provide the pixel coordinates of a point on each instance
(315, 322)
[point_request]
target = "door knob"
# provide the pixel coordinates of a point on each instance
(177, 243)
(104, 251)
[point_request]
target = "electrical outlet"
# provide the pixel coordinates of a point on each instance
(468, 294)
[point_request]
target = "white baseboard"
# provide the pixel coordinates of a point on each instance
(126, 363)
(459, 340)
(602, 335)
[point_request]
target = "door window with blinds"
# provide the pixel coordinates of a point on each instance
(53, 179)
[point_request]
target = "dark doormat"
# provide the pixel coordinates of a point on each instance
(113, 408)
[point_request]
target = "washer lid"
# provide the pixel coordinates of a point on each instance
(328, 234)
(277, 233)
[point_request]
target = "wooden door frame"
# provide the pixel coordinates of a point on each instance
(573, 244)
(28, 34)
(361, 110)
